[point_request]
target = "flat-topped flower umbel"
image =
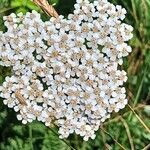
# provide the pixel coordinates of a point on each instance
(65, 71)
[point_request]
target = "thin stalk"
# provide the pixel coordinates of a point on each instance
(103, 137)
(145, 10)
(140, 87)
(121, 146)
(140, 120)
(128, 133)
(126, 5)
(134, 11)
(104, 140)
(30, 137)
(146, 147)
(108, 147)
(139, 91)
(126, 113)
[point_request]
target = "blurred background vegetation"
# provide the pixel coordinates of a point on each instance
(129, 129)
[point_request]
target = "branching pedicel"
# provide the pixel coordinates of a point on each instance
(65, 71)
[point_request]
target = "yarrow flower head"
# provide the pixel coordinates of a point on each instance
(66, 71)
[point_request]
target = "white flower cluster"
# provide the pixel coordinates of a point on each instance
(65, 71)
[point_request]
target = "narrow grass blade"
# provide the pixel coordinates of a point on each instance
(140, 120)
(121, 146)
(30, 138)
(128, 133)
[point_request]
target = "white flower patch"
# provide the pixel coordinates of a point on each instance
(65, 71)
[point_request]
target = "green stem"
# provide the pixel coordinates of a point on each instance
(134, 11)
(140, 87)
(139, 91)
(30, 137)
(128, 133)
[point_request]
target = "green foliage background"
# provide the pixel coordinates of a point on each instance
(129, 129)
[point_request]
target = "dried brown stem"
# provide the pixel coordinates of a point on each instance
(140, 120)
(126, 113)
(49, 9)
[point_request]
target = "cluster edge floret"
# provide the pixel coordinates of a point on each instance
(65, 71)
